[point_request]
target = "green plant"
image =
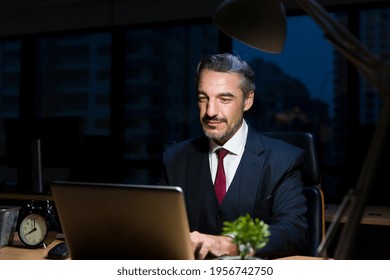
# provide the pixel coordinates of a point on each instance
(249, 234)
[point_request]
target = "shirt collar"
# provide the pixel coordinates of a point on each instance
(235, 144)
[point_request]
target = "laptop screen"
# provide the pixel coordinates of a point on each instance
(122, 221)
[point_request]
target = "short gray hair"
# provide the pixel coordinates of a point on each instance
(228, 63)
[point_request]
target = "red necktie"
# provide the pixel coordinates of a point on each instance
(220, 179)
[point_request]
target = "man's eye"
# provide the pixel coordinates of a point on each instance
(202, 98)
(226, 100)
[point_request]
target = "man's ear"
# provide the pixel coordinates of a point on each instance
(248, 101)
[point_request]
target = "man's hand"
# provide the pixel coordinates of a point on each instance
(214, 245)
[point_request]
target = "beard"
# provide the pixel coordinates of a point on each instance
(219, 137)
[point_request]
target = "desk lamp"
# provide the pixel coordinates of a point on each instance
(261, 24)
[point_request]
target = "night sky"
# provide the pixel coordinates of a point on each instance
(307, 56)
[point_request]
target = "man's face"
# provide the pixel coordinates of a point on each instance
(221, 104)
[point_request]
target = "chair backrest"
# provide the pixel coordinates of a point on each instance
(312, 185)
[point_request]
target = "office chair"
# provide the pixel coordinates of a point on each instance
(312, 185)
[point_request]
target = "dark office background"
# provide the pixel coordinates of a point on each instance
(126, 70)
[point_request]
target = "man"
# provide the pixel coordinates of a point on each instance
(262, 175)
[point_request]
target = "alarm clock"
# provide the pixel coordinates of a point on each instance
(38, 226)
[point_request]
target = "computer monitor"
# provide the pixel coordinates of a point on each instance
(36, 145)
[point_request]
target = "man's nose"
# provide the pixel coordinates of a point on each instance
(212, 108)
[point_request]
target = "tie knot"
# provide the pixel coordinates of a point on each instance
(222, 153)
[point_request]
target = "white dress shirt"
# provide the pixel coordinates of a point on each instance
(235, 146)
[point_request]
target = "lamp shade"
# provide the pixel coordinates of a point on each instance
(260, 24)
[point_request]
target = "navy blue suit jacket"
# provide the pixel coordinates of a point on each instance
(267, 185)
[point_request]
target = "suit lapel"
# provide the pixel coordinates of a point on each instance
(244, 187)
(198, 181)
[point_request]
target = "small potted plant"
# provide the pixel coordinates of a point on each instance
(249, 235)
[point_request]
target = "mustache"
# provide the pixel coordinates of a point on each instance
(208, 118)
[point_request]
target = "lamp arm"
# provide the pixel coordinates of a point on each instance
(372, 68)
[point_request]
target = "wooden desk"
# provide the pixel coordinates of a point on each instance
(19, 252)
(373, 215)
(306, 258)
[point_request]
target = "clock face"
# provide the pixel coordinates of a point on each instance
(33, 229)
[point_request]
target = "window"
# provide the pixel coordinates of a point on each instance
(9, 95)
(160, 103)
(73, 79)
(134, 90)
(307, 87)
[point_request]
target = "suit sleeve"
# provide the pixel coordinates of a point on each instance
(288, 225)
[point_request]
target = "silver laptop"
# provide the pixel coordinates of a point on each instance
(119, 221)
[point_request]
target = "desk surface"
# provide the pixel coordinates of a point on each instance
(18, 252)
(373, 215)
(307, 258)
